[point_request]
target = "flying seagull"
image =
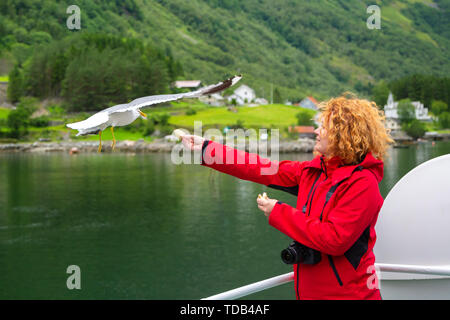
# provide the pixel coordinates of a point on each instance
(124, 114)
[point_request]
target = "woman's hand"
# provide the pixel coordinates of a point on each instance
(192, 142)
(266, 204)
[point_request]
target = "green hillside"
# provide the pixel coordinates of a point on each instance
(303, 47)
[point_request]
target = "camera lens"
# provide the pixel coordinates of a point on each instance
(299, 253)
(288, 256)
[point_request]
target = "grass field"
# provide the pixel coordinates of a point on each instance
(275, 116)
(4, 113)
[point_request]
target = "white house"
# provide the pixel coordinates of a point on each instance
(392, 124)
(391, 113)
(421, 111)
(261, 101)
(391, 109)
(189, 84)
(243, 95)
(215, 100)
(309, 102)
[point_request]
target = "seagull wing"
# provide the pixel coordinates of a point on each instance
(147, 101)
(91, 124)
(100, 120)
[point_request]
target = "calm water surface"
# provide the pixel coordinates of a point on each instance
(140, 227)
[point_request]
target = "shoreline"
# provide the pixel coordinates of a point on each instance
(125, 146)
(302, 145)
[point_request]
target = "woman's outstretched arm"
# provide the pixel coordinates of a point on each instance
(283, 175)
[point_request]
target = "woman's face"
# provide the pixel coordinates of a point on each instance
(321, 140)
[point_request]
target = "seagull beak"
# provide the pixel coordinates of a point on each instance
(143, 115)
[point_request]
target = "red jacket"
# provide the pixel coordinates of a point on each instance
(341, 229)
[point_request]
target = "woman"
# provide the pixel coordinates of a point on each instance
(338, 199)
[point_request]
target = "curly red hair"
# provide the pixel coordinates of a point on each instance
(355, 127)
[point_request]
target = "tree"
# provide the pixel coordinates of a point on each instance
(164, 118)
(406, 111)
(97, 79)
(40, 37)
(414, 128)
(380, 93)
(415, 87)
(15, 85)
(92, 71)
(422, 88)
(444, 120)
(239, 124)
(304, 118)
(437, 107)
(150, 128)
(277, 96)
(19, 120)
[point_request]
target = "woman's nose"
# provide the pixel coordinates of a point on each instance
(317, 131)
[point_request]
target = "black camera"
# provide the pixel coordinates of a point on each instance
(299, 253)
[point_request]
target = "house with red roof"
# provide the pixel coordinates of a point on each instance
(303, 131)
(309, 103)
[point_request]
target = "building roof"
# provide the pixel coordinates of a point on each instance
(243, 87)
(313, 100)
(187, 83)
(302, 129)
(309, 102)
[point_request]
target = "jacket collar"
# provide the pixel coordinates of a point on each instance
(335, 169)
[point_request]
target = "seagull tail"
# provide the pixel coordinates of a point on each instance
(74, 126)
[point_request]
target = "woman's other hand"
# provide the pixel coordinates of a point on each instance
(266, 205)
(192, 142)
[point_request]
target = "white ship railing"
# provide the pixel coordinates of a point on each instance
(288, 277)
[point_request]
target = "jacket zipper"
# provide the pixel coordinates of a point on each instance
(330, 259)
(315, 188)
(310, 191)
(296, 290)
(312, 197)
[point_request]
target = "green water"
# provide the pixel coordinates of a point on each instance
(140, 227)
